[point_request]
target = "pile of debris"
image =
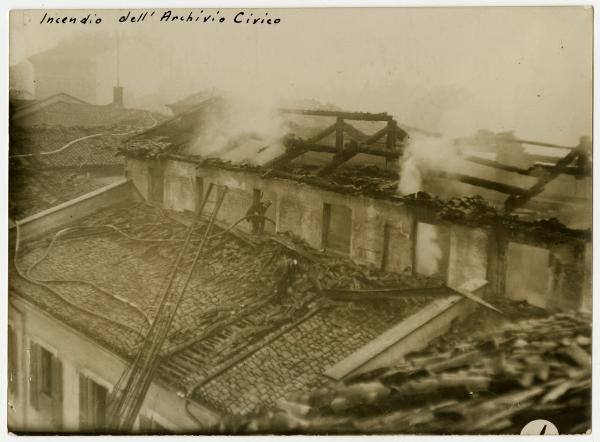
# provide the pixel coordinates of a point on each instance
(336, 272)
(144, 149)
(474, 207)
(537, 368)
(474, 210)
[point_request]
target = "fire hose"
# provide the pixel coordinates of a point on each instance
(70, 143)
(44, 283)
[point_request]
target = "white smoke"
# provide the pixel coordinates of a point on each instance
(424, 156)
(241, 128)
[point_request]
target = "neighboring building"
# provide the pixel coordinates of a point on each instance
(84, 307)
(66, 110)
(58, 71)
(61, 147)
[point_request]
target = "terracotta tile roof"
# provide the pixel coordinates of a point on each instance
(296, 361)
(230, 337)
(91, 152)
(32, 191)
(487, 375)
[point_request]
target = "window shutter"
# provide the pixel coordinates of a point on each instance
(34, 356)
(145, 424)
(57, 392)
(83, 403)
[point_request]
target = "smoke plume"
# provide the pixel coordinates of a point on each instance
(424, 156)
(240, 129)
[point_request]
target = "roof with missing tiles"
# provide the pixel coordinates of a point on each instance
(232, 345)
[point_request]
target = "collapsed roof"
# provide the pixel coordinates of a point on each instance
(352, 152)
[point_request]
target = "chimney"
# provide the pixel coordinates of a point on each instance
(118, 96)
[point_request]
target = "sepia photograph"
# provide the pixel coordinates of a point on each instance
(300, 221)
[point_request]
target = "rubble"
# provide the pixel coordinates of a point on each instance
(534, 368)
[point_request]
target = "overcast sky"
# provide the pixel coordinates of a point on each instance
(453, 70)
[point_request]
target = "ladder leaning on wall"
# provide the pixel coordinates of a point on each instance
(126, 402)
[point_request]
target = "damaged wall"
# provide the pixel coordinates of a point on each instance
(468, 255)
(179, 186)
(383, 232)
(138, 172)
(297, 208)
(547, 274)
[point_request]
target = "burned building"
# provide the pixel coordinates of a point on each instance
(124, 329)
(356, 210)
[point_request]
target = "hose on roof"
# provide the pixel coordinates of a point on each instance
(80, 281)
(56, 293)
(70, 143)
(44, 283)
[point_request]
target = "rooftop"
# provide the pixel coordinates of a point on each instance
(357, 153)
(32, 191)
(232, 345)
(487, 375)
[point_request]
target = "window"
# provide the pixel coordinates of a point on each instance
(46, 372)
(337, 227)
(256, 196)
(45, 387)
(156, 184)
(13, 363)
(92, 404)
(397, 248)
(149, 426)
(529, 274)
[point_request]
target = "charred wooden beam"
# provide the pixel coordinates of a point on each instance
(548, 159)
(390, 141)
(338, 159)
(515, 201)
(385, 294)
(314, 147)
(584, 166)
(473, 297)
(289, 155)
(497, 165)
(378, 135)
(339, 134)
(531, 142)
(361, 148)
(363, 137)
(329, 130)
(580, 170)
(361, 116)
(487, 184)
(355, 133)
